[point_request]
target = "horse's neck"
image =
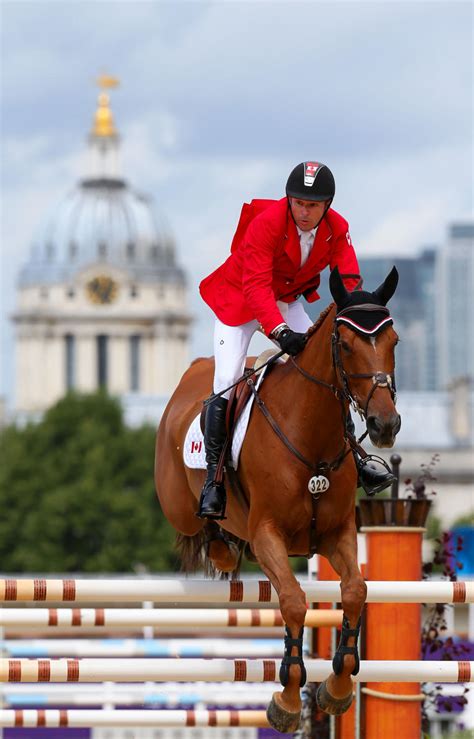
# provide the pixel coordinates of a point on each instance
(317, 358)
(313, 405)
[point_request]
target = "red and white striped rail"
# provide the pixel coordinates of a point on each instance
(93, 718)
(234, 591)
(218, 670)
(20, 618)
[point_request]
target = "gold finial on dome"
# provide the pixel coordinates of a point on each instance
(103, 120)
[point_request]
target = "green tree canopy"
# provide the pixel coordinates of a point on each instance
(77, 493)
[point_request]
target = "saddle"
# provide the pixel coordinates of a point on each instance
(238, 399)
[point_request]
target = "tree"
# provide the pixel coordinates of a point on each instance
(77, 493)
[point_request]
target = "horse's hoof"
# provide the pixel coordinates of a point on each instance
(329, 704)
(283, 721)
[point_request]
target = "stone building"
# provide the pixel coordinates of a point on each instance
(101, 301)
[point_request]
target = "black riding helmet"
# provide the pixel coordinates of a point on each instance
(311, 181)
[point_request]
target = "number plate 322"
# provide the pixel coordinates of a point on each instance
(318, 484)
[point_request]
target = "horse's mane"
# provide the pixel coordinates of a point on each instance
(312, 329)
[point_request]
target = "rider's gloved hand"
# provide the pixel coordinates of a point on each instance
(290, 341)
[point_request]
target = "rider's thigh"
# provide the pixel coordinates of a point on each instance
(231, 344)
(297, 318)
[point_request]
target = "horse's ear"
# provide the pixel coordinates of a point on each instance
(387, 288)
(337, 288)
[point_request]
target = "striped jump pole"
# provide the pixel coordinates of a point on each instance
(134, 718)
(233, 591)
(23, 618)
(218, 670)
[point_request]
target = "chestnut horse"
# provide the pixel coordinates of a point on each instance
(308, 399)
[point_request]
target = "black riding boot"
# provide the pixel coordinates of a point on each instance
(373, 478)
(213, 497)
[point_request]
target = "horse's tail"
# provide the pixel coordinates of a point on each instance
(193, 551)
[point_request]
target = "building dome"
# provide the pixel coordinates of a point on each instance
(102, 220)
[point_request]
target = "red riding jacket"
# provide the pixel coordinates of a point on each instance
(264, 265)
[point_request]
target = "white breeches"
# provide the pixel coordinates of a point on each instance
(231, 343)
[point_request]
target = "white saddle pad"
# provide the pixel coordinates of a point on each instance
(194, 452)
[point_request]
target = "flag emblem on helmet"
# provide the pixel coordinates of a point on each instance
(310, 172)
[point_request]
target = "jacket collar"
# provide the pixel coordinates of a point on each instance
(320, 246)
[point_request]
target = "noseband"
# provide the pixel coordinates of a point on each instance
(379, 379)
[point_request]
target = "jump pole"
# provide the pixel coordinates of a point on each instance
(89, 670)
(234, 591)
(72, 718)
(77, 618)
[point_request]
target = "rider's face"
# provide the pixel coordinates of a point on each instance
(307, 213)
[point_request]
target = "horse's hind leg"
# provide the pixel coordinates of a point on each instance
(270, 550)
(335, 694)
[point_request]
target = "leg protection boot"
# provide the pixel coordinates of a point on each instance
(373, 477)
(213, 498)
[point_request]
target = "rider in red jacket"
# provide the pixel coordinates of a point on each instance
(278, 251)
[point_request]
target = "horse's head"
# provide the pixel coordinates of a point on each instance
(363, 351)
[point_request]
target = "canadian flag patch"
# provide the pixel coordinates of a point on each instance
(310, 172)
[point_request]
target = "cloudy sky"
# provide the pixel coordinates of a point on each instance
(219, 100)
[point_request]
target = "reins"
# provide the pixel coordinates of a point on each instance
(248, 373)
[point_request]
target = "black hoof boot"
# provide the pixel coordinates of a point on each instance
(373, 479)
(213, 499)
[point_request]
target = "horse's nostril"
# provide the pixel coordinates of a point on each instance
(374, 425)
(397, 425)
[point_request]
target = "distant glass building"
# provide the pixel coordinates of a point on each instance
(455, 300)
(412, 308)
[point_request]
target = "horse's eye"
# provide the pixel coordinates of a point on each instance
(346, 347)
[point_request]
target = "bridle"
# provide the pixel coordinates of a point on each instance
(379, 379)
(344, 393)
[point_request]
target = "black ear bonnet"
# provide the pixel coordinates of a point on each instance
(362, 311)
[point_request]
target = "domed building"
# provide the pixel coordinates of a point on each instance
(102, 300)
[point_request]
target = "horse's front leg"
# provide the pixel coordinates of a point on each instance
(335, 694)
(269, 547)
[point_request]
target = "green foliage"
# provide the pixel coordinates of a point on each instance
(77, 493)
(466, 520)
(433, 526)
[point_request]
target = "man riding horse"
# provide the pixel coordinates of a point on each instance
(277, 254)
